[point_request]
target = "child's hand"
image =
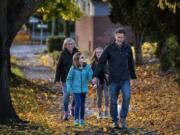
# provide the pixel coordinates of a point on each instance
(94, 80)
(95, 86)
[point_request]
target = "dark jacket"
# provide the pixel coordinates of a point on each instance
(102, 78)
(120, 60)
(64, 64)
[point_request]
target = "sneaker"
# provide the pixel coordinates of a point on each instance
(123, 123)
(81, 122)
(76, 122)
(106, 114)
(66, 117)
(99, 116)
(115, 125)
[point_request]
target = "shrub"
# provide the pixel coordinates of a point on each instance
(55, 43)
(50, 59)
(16, 71)
(148, 50)
(166, 60)
(169, 54)
(171, 57)
(174, 49)
(55, 56)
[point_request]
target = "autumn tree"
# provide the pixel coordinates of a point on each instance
(171, 5)
(147, 19)
(131, 13)
(13, 14)
(55, 10)
(167, 21)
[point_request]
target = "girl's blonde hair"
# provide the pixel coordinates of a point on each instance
(76, 59)
(67, 40)
(93, 57)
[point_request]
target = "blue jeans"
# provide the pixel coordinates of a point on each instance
(80, 99)
(66, 96)
(124, 86)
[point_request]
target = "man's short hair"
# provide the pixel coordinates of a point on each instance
(120, 30)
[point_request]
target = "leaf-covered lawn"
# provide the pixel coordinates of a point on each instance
(155, 107)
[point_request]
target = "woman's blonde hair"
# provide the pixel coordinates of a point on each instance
(67, 40)
(76, 59)
(93, 57)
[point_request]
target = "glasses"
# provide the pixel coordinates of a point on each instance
(69, 43)
(98, 51)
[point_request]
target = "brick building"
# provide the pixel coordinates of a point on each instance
(95, 28)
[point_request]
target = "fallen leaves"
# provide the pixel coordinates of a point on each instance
(155, 107)
(155, 101)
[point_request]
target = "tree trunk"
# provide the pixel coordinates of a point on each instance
(56, 32)
(9, 64)
(53, 26)
(55, 22)
(10, 23)
(138, 49)
(178, 39)
(163, 48)
(177, 60)
(7, 112)
(66, 29)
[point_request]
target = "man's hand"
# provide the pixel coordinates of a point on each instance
(94, 80)
(134, 83)
(107, 76)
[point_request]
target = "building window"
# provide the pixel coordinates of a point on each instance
(88, 8)
(84, 5)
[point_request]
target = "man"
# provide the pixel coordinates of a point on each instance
(121, 71)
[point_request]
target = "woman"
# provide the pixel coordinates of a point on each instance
(63, 66)
(102, 85)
